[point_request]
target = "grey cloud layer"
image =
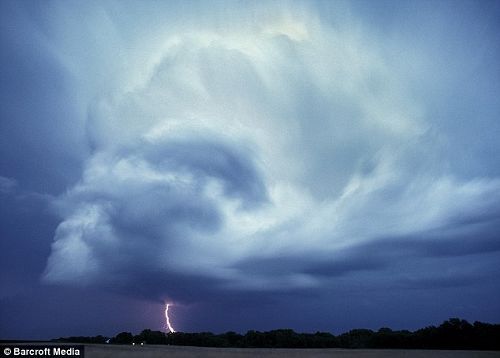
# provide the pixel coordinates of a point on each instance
(269, 157)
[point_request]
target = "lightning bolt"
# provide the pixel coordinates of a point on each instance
(169, 325)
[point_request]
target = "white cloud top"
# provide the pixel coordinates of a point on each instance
(218, 146)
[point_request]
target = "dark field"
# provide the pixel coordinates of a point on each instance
(104, 351)
(157, 351)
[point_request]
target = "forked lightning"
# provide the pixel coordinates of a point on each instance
(169, 325)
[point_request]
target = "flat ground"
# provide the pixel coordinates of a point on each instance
(104, 351)
(152, 351)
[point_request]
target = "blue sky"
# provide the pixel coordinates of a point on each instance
(309, 165)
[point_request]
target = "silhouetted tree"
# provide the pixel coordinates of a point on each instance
(451, 334)
(123, 338)
(151, 337)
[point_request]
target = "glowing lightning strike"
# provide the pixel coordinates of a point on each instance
(169, 326)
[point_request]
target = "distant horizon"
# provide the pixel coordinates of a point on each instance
(453, 333)
(436, 324)
(309, 332)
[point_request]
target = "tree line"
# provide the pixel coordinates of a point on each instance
(454, 333)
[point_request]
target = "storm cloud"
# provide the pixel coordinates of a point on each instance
(286, 138)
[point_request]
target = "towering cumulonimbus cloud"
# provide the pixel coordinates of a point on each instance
(261, 156)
